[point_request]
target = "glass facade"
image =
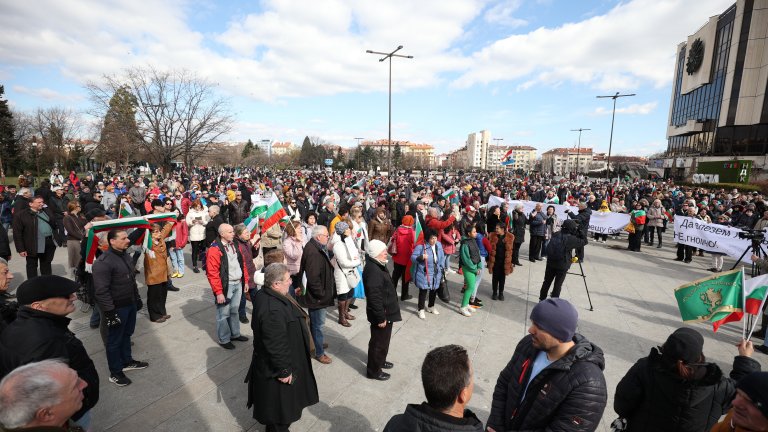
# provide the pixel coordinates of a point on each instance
(703, 104)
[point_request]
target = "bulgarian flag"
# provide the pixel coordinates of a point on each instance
(392, 193)
(135, 222)
(125, 209)
(272, 209)
(451, 195)
(717, 299)
(755, 291)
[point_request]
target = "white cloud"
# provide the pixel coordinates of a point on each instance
(46, 93)
(633, 43)
(639, 109)
(502, 13)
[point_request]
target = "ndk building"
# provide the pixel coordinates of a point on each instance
(719, 108)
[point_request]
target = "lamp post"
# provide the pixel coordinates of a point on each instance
(357, 152)
(578, 149)
(37, 158)
(613, 117)
(389, 135)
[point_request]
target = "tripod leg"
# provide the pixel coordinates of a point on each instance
(585, 286)
(740, 258)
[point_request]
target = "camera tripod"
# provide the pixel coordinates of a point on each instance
(583, 276)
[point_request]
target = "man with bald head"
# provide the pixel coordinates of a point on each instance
(225, 270)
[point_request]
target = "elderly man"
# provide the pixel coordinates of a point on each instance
(41, 332)
(538, 224)
(41, 396)
(7, 308)
(750, 406)
(382, 309)
(212, 227)
(117, 297)
(281, 382)
(228, 278)
(319, 288)
(33, 229)
(448, 381)
(554, 380)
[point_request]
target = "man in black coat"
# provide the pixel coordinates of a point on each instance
(212, 227)
(8, 309)
(33, 229)
(40, 332)
(554, 380)
(560, 256)
(117, 297)
(583, 217)
(281, 382)
(382, 309)
(320, 290)
(518, 229)
(675, 389)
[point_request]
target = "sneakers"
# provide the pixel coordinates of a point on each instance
(135, 364)
(196, 270)
(477, 304)
(451, 271)
(421, 314)
(465, 311)
(494, 296)
(119, 380)
(433, 310)
(501, 296)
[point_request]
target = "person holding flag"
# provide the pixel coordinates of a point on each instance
(428, 260)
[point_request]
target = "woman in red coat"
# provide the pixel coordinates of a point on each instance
(403, 238)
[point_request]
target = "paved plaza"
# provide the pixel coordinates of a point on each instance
(192, 384)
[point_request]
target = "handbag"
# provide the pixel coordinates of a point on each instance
(442, 291)
(392, 245)
(353, 278)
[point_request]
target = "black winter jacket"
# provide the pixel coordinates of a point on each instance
(582, 218)
(423, 418)
(381, 297)
(652, 398)
(36, 335)
(568, 395)
(560, 250)
(25, 229)
(518, 226)
(321, 285)
(114, 280)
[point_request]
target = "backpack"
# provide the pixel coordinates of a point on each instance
(556, 249)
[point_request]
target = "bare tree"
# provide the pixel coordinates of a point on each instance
(58, 130)
(178, 115)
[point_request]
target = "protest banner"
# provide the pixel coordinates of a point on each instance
(600, 222)
(712, 237)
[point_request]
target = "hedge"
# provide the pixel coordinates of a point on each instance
(742, 187)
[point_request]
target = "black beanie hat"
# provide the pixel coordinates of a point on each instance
(45, 287)
(755, 385)
(684, 344)
(158, 203)
(556, 317)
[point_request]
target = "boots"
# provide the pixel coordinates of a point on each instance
(342, 317)
(347, 315)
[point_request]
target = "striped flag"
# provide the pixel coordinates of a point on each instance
(451, 195)
(272, 209)
(125, 209)
(755, 291)
(507, 158)
(360, 183)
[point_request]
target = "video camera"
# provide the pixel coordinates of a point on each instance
(752, 234)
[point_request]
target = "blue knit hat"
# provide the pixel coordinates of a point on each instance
(341, 227)
(557, 317)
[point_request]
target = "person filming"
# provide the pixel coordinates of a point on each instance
(560, 256)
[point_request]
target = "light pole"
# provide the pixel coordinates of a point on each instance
(578, 150)
(497, 144)
(613, 116)
(389, 135)
(357, 152)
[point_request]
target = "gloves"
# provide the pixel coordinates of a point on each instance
(139, 304)
(112, 319)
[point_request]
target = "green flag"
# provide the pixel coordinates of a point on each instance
(716, 299)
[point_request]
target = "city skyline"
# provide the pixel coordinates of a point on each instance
(526, 71)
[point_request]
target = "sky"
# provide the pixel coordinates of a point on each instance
(527, 71)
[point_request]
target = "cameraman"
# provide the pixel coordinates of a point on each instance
(583, 217)
(560, 256)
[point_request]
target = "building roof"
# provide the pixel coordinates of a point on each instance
(568, 151)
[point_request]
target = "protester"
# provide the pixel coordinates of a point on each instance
(518, 222)
(197, 218)
(554, 380)
(538, 222)
(156, 273)
(403, 239)
(448, 381)
(228, 277)
(471, 264)
(382, 309)
(33, 229)
(249, 248)
(345, 273)
(750, 406)
(74, 222)
(560, 257)
(42, 396)
(500, 259)
(319, 287)
(675, 389)
(428, 261)
(280, 380)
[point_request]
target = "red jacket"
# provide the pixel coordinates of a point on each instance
(217, 269)
(437, 225)
(404, 240)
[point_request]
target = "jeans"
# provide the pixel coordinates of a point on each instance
(95, 317)
(316, 323)
(177, 259)
(241, 312)
(478, 279)
(84, 421)
(227, 320)
(119, 339)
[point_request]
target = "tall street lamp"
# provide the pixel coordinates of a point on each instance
(578, 150)
(613, 116)
(357, 152)
(389, 136)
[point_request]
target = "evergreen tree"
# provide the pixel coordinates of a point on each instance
(8, 146)
(397, 156)
(307, 155)
(248, 150)
(120, 136)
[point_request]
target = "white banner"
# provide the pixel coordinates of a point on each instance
(600, 222)
(712, 237)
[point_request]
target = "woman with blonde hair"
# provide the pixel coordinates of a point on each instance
(74, 223)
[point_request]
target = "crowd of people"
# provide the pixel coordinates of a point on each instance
(332, 247)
